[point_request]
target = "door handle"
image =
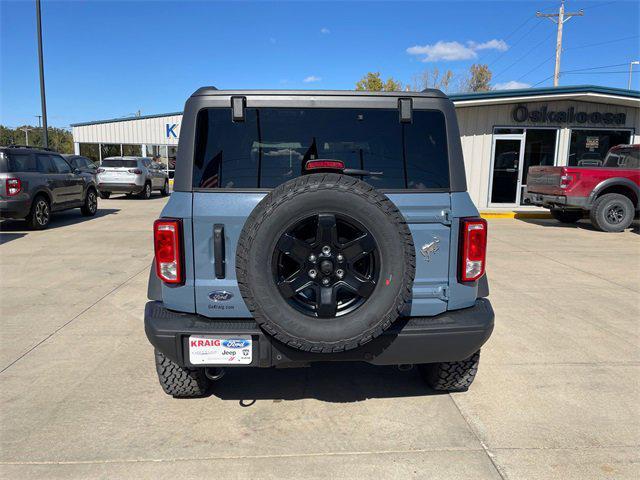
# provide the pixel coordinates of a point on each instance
(218, 250)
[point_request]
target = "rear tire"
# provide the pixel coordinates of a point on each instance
(40, 213)
(165, 190)
(90, 206)
(612, 212)
(566, 216)
(179, 381)
(145, 194)
(105, 195)
(451, 376)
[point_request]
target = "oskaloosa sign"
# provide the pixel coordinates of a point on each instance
(521, 113)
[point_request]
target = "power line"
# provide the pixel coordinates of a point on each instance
(524, 55)
(536, 67)
(602, 43)
(595, 68)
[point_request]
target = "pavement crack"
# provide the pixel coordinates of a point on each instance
(485, 447)
(72, 319)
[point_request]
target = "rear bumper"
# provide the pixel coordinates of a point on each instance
(451, 336)
(15, 208)
(120, 187)
(556, 201)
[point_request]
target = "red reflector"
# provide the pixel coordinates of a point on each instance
(167, 235)
(13, 186)
(322, 164)
(473, 249)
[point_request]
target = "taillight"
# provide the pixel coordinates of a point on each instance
(473, 249)
(167, 240)
(137, 171)
(567, 179)
(14, 185)
(100, 170)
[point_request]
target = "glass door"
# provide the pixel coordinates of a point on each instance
(506, 175)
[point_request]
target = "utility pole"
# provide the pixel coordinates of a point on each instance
(26, 131)
(39, 117)
(559, 19)
(631, 64)
(45, 133)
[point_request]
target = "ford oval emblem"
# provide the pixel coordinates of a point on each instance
(235, 343)
(220, 296)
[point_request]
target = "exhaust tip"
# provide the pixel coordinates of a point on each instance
(405, 367)
(214, 373)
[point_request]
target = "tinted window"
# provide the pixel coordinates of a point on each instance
(22, 162)
(61, 165)
(45, 164)
(118, 163)
(623, 159)
(589, 147)
(272, 146)
(74, 162)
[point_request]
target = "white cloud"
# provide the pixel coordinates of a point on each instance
(311, 78)
(325, 30)
(451, 51)
(494, 44)
(512, 85)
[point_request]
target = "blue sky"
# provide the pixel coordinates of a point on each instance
(107, 59)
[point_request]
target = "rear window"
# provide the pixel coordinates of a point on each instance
(21, 162)
(623, 159)
(273, 144)
(117, 162)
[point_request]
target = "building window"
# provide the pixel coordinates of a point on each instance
(132, 150)
(158, 153)
(110, 150)
(90, 150)
(589, 147)
(172, 155)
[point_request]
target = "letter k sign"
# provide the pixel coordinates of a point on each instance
(170, 131)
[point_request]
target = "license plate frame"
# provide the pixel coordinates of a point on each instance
(220, 349)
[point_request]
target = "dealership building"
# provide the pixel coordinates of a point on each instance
(503, 133)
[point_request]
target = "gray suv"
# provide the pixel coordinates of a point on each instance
(36, 182)
(315, 227)
(133, 176)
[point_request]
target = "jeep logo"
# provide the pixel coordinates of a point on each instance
(220, 296)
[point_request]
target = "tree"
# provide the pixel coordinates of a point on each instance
(479, 78)
(432, 79)
(60, 140)
(373, 83)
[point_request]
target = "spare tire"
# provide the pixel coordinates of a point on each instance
(325, 263)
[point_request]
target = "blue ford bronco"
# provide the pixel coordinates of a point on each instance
(314, 226)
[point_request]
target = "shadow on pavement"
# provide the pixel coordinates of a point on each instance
(582, 224)
(7, 237)
(58, 219)
(335, 383)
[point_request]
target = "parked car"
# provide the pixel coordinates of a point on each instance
(133, 176)
(318, 226)
(609, 193)
(83, 164)
(35, 182)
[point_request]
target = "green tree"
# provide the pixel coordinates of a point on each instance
(373, 83)
(60, 140)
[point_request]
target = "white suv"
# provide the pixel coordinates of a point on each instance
(132, 175)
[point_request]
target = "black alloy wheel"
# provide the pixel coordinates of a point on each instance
(326, 265)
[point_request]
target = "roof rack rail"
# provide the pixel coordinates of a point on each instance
(15, 145)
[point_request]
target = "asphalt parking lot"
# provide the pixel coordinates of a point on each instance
(557, 394)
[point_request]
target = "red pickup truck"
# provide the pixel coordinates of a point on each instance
(608, 190)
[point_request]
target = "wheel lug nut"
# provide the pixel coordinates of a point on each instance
(326, 250)
(312, 258)
(340, 257)
(313, 273)
(325, 281)
(339, 273)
